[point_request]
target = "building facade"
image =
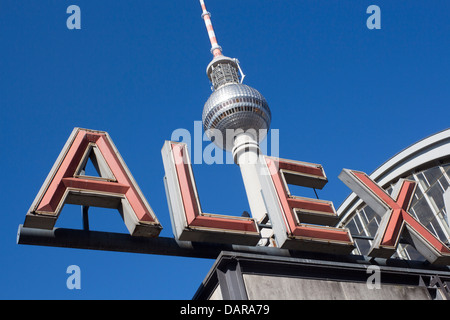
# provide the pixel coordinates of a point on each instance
(426, 162)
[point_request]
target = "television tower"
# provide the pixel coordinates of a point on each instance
(236, 118)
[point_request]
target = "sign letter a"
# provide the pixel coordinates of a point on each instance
(114, 188)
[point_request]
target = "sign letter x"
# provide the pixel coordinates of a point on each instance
(396, 220)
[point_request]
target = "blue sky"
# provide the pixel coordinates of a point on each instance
(340, 94)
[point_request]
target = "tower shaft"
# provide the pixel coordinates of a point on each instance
(246, 154)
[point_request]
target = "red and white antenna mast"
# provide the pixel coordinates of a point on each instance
(216, 50)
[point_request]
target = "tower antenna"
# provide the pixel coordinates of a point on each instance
(216, 50)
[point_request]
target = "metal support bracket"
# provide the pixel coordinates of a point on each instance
(231, 281)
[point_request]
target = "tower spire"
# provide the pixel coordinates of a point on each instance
(216, 50)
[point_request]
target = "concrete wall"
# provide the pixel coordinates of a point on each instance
(217, 294)
(261, 287)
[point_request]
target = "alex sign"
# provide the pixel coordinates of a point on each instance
(290, 221)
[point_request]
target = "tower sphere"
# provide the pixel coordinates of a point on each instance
(233, 107)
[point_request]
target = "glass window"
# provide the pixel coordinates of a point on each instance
(363, 216)
(423, 211)
(413, 253)
(423, 181)
(358, 225)
(370, 213)
(435, 193)
(389, 190)
(402, 253)
(445, 225)
(433, 174)
(443, 216)
(413, 213)
(414, 199)
(418, 192)
(352, 227)
(444, 183)
(363, 246)
(436, 230)
(372, 227)
(447, 168)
